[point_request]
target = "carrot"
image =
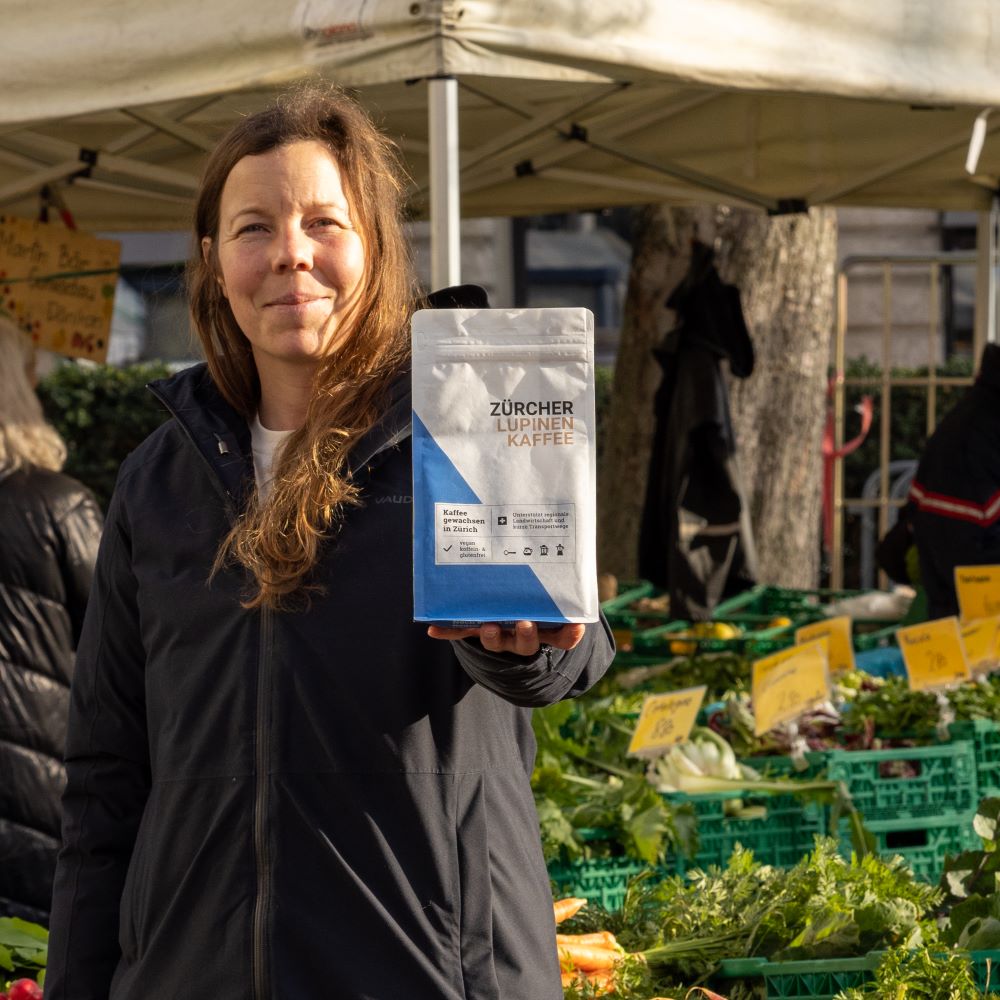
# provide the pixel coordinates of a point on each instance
(566, 908)
(603, 938)
(589, 957)
(603, 982)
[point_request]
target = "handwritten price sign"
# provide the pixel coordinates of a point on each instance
(981, 640)
(978, 589)
(840, 642)
(788, 684)
(933, 654)
(58, 285)
(665, 721)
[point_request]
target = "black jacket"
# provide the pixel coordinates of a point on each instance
(955, 496)
(269, 805)
(695, 539)
(50, 526)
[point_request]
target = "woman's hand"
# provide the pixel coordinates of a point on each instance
(523, 639)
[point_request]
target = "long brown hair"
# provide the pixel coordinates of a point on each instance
(278, 541)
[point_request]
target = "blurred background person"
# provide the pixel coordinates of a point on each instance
(955, 497)
(50, 526)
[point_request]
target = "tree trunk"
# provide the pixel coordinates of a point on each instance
(784, 268)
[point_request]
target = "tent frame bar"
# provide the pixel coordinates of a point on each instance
(442, 111)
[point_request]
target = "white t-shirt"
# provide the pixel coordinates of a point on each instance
(265, 444)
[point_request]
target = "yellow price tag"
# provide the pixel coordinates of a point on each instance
(666, 720)
(840, 641)
(933, 654)
(981, 640)
(978, 589)
(789, 684)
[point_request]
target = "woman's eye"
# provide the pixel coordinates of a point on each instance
(328, 223)
(251, 227)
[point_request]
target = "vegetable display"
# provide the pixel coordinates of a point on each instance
(23, 954)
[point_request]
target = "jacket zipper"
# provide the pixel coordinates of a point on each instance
(260, 970)
(262, 899)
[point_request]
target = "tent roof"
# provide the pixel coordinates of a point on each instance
(563, 105)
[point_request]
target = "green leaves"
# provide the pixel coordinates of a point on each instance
(102, 413)
(23, 946)
(985, 822)
(585, 784)
(824, 907)
(918, 974)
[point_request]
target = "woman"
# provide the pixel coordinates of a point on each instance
(279, 785)
(49, 529)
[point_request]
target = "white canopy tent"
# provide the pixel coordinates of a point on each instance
(538, 105)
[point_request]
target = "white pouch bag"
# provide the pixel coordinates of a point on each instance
(504, 466)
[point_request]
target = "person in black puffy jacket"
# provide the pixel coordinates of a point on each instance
(50, 527)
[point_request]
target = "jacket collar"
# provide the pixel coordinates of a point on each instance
(222, 436)
(218, 432)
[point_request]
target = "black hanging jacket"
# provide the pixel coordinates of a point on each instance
(267, 805)
(955, 496)
(695, 539)
(50, 526)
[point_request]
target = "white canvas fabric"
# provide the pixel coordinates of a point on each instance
(562, 105)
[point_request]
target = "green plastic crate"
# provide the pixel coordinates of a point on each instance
(910, 782)
(986, 970)
(984, 734)
(752, 642)
(922, 843)
(873, 635)
(813, 980)
(774, 601)
(823, 979)
(620, 613)
(781, 838)
(598, 880)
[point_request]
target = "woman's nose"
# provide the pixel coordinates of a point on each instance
(292, 250)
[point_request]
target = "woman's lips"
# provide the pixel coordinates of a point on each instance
(297, 303)
(295, 300)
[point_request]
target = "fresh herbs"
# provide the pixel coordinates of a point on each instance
(592, 800)
(918, 974)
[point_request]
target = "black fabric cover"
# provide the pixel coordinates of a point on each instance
(50, 526)
(695, 538)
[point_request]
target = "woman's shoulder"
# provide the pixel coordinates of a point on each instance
(160, 444)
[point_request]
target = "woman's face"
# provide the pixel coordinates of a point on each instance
(291, 261)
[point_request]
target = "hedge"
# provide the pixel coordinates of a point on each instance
(102, 413)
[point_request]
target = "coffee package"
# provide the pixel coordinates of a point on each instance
(504, 466)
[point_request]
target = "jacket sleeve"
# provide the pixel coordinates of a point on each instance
(107, 778)
(80, 533)
(534, 681)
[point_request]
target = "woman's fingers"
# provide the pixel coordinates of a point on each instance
(566, 637)
(523, 639)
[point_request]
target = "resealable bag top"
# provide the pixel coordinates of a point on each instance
(504, 466)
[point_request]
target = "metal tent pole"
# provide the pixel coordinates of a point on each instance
(442, 107)
(992, 336)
